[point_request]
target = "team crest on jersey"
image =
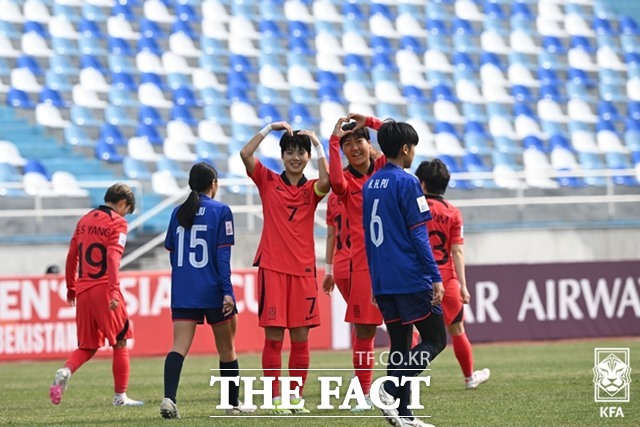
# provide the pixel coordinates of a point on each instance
(422, 204)
(122, 239)
(306, 198)
(272, 313)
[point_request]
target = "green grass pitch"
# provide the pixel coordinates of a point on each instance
(532, 384)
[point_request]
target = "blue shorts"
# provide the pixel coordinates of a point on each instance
(214, 316)
(406, 308)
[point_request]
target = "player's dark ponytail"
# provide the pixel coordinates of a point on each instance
(201, 176)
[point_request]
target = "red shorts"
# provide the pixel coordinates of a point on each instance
(360, 309)
(96, 322)
(287, 301)
(452, 306)
(344, 286)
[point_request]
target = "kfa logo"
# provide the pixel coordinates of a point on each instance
(611, 375)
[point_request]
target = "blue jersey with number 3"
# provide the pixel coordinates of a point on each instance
(393, 206)
(196, 279)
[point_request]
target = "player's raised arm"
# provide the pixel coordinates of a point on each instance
(361, 121)
(246, 154)
(336, 177)
(323, 185)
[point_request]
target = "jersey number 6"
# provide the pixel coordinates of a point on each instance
(376, 238)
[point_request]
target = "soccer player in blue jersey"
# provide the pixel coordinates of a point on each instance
(404, 275)
(199, 238)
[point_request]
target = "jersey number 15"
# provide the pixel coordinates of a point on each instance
(194, 242)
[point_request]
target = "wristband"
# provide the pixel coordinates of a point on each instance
(265, 130)
(321, 154)
(328, 269)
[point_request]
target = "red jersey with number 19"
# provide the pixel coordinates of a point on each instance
(95, 252)
(337, 218)
(287, 243)
(445, 229)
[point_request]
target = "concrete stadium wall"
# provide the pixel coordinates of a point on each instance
(486, 248)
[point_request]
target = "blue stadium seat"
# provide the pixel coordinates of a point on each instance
(493, 10)
(110, 134)
(178, 80)
(83, 116)
(299, 46)
(154, 79)
(19, 99)
(151, 29)
(436, 11)
(182, 112)
(414, 94)
(491, 58)
(628, 26)
(123, 10)
(269, 113)
(93, 12)
(521, 93)
(419, 110)
(463, 60)
(381, 45)
(473, 163)
(65, 47)
(26, 61)
(91, 46)
(533, 142)
(632, 58)
(52, 97)
(135, 169)
(150, 132)
(352, 11)
(89, 29)
(209, 151)
(9, 30)
(241, 64)
(123, 81)
(355, 62)
(522, 109)
(328, 93)
(412, 44)
(442, 92)
(505, 145)
(183, 27)
(521, 11)
(299, 29)
(269, 28)
(592, 161)
(90, 61)
(381, 9)
(119, 116)
(165, 164)
(474, 112)
(36, 27)
(579, 77)
(184, 12)
(35, 165)
(581, 42)
(557, 140)
(148, 45)
(217, 113)
(122, 98)
(119, 46)
(464, 27)
(551, 92)
(608, 111)
(454, 167)
(77, 136)
(633, 110)
(150, 116)
(602, 26)
(436, 27)
(328, 79)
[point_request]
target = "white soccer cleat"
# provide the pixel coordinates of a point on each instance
(239, 409)
(369, 402)
(124, 400)
(303, 410)
(391, 415)
(415, 422)
(478, 377)
(168, 409)
(60, 381)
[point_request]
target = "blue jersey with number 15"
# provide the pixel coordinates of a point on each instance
(196, 277)
(394, 208)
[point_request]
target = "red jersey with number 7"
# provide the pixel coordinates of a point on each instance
(286, 244)
(95, 252)
(445, 229)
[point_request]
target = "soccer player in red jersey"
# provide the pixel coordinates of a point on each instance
(338, 250)
(93, 287)
(287, 287)
(347, 185)
(446, 236)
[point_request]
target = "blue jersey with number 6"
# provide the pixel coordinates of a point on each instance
(200, 270)
(395, 216)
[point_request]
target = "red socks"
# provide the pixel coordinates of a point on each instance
(120, 369)
(464, 354)
(363, 359)
(272, 363)
(299, 362)
(78, 358)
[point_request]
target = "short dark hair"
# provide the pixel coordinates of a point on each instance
(288, 142)
(363, 132)
(120, 191)
(435, 175)
(392, 136)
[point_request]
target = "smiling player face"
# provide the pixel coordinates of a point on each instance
(295, 159)
(356, 151)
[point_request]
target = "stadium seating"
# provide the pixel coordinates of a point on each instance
(497, 86)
